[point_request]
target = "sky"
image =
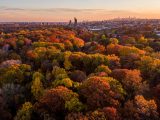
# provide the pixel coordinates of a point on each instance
(83, 10)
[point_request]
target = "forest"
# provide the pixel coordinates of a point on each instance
(62, 73)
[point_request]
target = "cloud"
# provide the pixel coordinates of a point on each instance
(47, 10)
(71, 10)
(64, 14)
(10, 9)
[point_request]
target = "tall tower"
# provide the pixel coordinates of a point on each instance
(70, 22)
(75, 21)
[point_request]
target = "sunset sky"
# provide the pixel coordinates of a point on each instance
(63, 10)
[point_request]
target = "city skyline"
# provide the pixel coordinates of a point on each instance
(63, 10)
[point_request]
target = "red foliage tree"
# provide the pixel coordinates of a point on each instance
(141, 109)
(107, 113)
(76, 116)
(58, 100)
(78, 76)
(131, 79)
(99, 92)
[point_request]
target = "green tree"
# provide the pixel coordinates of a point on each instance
(74, 105)
(64, 82)
(103, 68)
(37, 88)
(67, 63)
(25, 113)
(114, 41)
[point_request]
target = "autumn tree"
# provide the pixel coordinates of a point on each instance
(76, 59)
(37, 85)
(77, 43)
(57, 100)
(103, 68)
(107, 113)
(59, 73)
(25, 113)
(16, 73)
(113, 61)
(92, 61)
(64, 82)
(130, 79)
(77, 76)
(113, 49)
(150, 69)
(126, 50)
(156, 93)
(67, 62)
(130, 61)
(113, 40)
(101, 92)
(141, 109)
(4, 114)
(76, 116)
(14, 96)
(93, 47)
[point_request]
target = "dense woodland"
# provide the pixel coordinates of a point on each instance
(62, 73)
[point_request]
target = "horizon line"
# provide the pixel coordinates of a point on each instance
(80, 21)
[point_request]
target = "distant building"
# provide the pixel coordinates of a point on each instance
(70, 23)
(75, 21)
(157, 32)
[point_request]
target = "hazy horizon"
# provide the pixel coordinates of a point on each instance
(84, 10)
